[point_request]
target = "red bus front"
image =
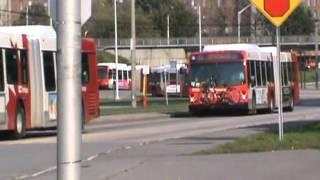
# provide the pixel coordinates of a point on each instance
(218, 81)
(103, 78)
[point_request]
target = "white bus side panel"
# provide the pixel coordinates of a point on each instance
(3, 122)
(36, 83)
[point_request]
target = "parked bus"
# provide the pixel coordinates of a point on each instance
(28, 83)
(107, 76)
(176, 79)
(240, 77)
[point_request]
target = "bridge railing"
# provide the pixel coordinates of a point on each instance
(193, 42)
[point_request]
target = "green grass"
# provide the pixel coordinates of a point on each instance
(310, 76)
(306, 137)
(154, 105)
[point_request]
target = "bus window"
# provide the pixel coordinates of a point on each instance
(125, 75)
(84, 68)
(12, 66)
(120, 74)
(252, 77)
(49, 70)
(263, 71)
(258, 71)
(110, 74)
(102, 72)
(1, 72)
(24, 63)
(270, 71)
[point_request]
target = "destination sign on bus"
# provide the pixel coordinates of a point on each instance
(226, 56)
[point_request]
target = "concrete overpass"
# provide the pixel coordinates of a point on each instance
(157, 51)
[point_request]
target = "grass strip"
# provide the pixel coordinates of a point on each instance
(306, 137)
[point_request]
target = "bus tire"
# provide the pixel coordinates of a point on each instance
(253, 109)
(83, 120)
(271, 105)
(291, 105)
(20, 124)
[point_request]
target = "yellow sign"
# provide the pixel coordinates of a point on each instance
(277, 11)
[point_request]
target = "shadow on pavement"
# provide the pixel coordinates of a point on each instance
(7, 136)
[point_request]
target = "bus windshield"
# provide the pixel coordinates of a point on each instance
(102, 72)
(217, 74)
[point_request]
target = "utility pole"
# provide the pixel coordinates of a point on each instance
(239, 20)
(116, 48)
(316, 39)
(200, 27)
(168, 29)
(133, 55)
(252, 24)
(69, 89)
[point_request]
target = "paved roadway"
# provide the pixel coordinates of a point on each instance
(155, 149)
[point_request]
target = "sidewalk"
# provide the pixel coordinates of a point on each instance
(130, 117)
(173, 160)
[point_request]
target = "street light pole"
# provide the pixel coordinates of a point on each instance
(133, 55)
(200, 30)
(69, 89)
(116, 48)
(317, 50)
(168, 29)
(239, 20)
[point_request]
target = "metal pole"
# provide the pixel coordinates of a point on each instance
(252, 24)
(27, 14)
(69, 89)
(116, 47)
(239, 20)
(200, 30)
(316, 53)
(168, 29)
(133, 55)
(280, 114)
(165, 86)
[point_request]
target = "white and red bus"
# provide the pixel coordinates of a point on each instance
(28, 83)
(164, 79)
(107, 76)
(240, 77)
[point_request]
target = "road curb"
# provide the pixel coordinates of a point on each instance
(129, 117)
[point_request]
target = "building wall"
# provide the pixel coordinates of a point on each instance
(154, 57)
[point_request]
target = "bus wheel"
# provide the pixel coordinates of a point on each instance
(83, 120)
(291, 105)
(20, 127)
(271, 105)
(253, 109)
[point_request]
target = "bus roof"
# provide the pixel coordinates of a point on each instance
(33, 30)
(284, 56)
(8, 40)
(113, 65)
(232, 47)
(45, 34)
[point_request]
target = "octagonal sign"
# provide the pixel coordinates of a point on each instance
(277, 11)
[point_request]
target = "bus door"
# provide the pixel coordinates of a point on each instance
(2, 95)
(90, 93)
(49, 71)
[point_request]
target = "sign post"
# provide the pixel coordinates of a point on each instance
(277, 11)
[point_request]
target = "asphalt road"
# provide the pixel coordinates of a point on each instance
(149, 149)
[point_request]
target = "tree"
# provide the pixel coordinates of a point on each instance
(101, 23)
(151, 19)
(37, 16)
(301, 22)
(183, 23)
